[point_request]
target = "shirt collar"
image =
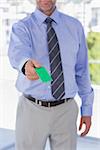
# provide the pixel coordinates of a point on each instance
(40, 16)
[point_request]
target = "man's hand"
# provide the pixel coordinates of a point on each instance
(87, 121)
(30, 71)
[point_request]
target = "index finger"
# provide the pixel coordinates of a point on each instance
(87, 127)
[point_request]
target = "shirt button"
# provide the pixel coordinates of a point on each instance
(48, 87)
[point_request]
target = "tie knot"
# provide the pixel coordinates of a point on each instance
(48, 20)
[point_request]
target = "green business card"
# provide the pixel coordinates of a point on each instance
(43, 74)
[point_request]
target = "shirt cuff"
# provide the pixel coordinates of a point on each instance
(87, 103)
(22, 63)
(86, 111)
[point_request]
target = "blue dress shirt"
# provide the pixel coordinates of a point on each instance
(29, 41)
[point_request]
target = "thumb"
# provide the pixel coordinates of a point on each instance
(36, 64)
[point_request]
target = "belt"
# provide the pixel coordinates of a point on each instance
(47, 103)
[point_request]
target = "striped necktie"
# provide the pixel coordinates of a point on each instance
(57, 85)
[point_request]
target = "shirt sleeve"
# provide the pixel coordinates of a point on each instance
(19, 50)
(85, 90)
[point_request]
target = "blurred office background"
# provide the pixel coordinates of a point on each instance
(88, 13)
